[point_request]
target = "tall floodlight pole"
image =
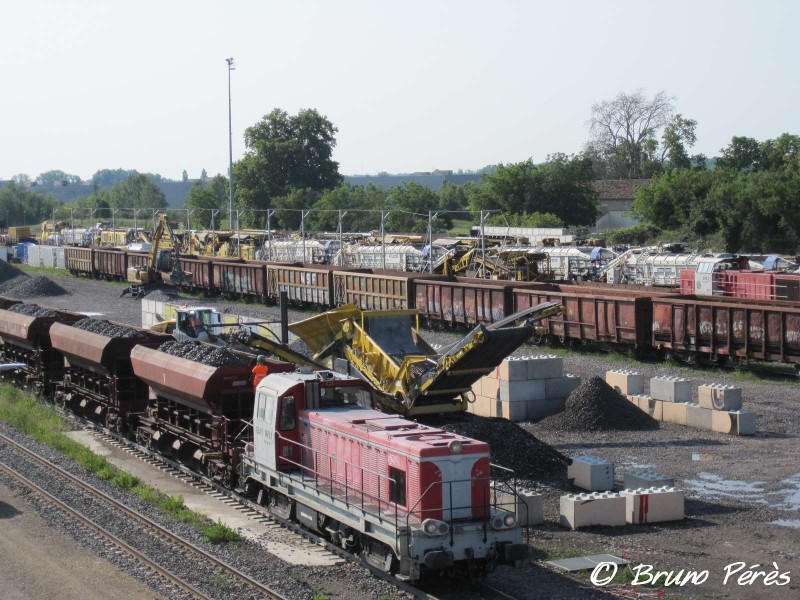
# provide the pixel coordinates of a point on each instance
(231, 67)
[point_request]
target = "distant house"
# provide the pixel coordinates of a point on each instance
(616, 201)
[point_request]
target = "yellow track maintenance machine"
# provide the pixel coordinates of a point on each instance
(385, 349)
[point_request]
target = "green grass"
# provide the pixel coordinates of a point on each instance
(48, 271)
(44, 423)
(461, 226)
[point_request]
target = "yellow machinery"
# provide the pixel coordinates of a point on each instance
(158, 263)
(50, 228)
(385, 348)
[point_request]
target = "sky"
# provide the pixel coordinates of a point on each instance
(411, 86)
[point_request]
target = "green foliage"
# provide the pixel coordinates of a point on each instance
(359, 201)
(286, 153)
(562, 187)
(452, 197)
(137, 191)
(636, 235)
(526, 220)
(20, 206)
(742, 154)
(410, 204)
(56, 177)
(218, 533)
(110, 177)
(202, 203)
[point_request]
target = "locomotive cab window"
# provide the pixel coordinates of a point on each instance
(397, 486)
(262, 404)
(287, 413)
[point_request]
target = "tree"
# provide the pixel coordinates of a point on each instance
(20, 206)
(360, 202)
(202, 202)
(410, 204)
(286, 153)
(679, 134)
(21, 179)
(782, 153)
(562, 186)
(185, 176)
(136, 192)
(51, 177)
(452, 197)
(742, 154)
(620, 128)
(204, 175)
(110, 177)
(219, 190)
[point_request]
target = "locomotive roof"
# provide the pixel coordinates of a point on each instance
(394, 432)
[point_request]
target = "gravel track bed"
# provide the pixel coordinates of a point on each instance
(111, 330)
(737, 487)
(348, 580)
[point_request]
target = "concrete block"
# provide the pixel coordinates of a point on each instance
(561, 387)
(698, 417)
(674, 412)
(653, 407)
(653, 505)
(547, 366)
(528, 505)
(671, 389)
(513, 411)
(512, 369)
(539, 409)
(490, 387)
(591, 473)
(625, 382)
(738, 422)
(583, 510)
(521, 391)
(634, 480)
(481, 406)
(718, 396)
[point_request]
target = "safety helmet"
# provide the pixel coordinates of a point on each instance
(261, 358)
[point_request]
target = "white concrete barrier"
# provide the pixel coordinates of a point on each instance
(598, 508)
(634, 480)
(653, 505)
(625, 382)
(671, 389)
(591, 473)
(718, 396)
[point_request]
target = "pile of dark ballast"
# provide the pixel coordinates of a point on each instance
(513, 447)
(203, 353)
(37, 286)
(596, 406)
(32, 310)
(112, 330)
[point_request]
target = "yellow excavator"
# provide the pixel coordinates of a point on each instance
(159, 263)
(385, 349)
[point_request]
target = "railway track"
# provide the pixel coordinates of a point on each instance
(183, 545)
(249, 507)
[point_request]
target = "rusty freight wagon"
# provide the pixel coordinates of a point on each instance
(199, 411)
(378, 289)
(611, 317)
(239, 278)
(708, 328)
(466, 301)
(306, 285)
(98, 377)
(25, 331)
(109, 264)
(199, 274)
(78, 261)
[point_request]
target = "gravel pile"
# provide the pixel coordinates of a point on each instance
(37, 286)
(162, 296)
(596, 406)
(112, 330)
(513, 447)
(32, 310)
(9, 272)
(203, 353)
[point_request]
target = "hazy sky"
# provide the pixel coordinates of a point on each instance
(411, 85)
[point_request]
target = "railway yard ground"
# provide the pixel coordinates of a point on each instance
(742, 493)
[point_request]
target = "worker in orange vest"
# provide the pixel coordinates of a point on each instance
(261, 370)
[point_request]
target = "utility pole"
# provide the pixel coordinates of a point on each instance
(231, 67)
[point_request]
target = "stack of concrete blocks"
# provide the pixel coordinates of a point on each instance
(596, 508)
(718, 407)
(520, 389)
(591, 473)
(528, 505)
(154, 311)
(653, 505)
(627, 383)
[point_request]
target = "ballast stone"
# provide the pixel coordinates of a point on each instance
(597, 508)
(591, 473)
(653, 505)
